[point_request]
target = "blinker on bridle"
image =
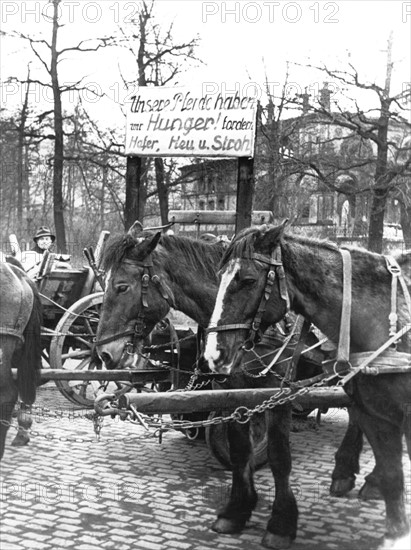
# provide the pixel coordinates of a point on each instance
(147, 276)
(138, 329)
(275, 271)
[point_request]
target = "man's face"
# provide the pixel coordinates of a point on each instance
(44, 242)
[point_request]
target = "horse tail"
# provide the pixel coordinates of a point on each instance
(27, 359)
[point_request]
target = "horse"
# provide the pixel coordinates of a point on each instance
(307, 276)
(164, 271)
(20, 345)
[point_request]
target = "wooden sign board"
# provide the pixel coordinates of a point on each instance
(186, 122)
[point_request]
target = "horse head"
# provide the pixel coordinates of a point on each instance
(136, 296)
(251, 296)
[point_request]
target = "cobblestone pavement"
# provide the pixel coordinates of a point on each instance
(127, 491)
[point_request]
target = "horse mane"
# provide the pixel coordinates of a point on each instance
(197, 255)
(14, 261)
(117, 249)
(242, 245)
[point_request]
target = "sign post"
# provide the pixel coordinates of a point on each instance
(133, 190)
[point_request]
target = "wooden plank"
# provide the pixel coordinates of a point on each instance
(214, 400)
(102, 375)
(217, 217)
(133, 191)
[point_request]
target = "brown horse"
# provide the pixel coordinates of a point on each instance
(20, 342)
(183, 272)
(307, 275)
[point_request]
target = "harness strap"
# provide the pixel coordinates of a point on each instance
(221, 328)
(276, 268)
(114, 337)
(343, 351)
(12, 332)
(281, 277)
(291, 369)
(371, 357)
(280, 350)
(395, 271)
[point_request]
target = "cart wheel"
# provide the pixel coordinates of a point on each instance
(217, 440)
(71, 349)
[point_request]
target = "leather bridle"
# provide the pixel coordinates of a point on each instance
(137, 330)
(275, 272)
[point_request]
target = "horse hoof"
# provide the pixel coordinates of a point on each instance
(227, 526)
(369, 491)
(341, 487)
(20, 441)
(276, 541)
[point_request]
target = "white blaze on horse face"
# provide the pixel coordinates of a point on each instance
(211, 353)
(107, 278)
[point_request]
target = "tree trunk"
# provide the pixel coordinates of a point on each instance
(376, 230)
(380, 193)
(103, 193)
(406, 224)
(58, 202)
(380, 196)
(161, 190)
(20, 154)
(136, 176)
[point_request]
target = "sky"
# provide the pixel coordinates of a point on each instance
(242, 44)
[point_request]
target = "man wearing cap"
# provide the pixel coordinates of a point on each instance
(31, 260)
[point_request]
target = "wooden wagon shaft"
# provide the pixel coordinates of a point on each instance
(212, 400)
(136, 377)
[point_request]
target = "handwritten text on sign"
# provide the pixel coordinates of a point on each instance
(180, 122)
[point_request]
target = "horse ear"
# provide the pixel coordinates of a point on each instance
(154, 241)
(271, 237)
(146, 246)
(135, 229)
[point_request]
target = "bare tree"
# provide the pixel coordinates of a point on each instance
(160, 59)
(374, 125)
(51, 67)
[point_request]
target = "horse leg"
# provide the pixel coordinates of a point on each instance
(25, 422)
(347, 464)
(243, 496)
(407, 428)
(8, 398)
(386, 441)
(282, 525)
(347, 459)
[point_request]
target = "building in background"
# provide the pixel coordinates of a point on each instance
(307, 168)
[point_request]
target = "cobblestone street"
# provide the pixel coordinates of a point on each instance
(127, 491)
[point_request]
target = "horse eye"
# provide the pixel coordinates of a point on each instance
(248, 281)
(121, 289)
